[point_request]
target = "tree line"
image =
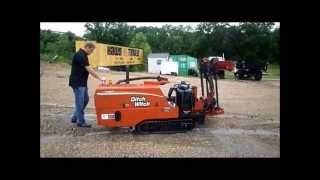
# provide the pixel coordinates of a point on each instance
(256, 42)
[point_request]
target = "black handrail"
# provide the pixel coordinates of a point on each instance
(159, 78)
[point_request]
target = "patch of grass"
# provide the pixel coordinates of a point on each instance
(273, 72)
(52, 58)
(228, 75)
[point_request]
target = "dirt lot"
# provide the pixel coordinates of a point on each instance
(250, 126)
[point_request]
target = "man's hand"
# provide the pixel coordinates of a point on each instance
(103, 80)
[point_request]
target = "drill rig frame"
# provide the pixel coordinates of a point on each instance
(145, 109)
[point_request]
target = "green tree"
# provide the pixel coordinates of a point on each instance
(140, 41)
(58, 45)
(248, 41)
(275, 49)
(256, 45)
(211, 39)
(117, 33)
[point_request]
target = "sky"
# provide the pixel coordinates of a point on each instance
(79, 29)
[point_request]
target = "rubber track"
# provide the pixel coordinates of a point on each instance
(164, 127)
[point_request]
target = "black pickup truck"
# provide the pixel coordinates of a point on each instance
(248, 70)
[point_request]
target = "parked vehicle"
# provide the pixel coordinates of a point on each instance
(246, 70)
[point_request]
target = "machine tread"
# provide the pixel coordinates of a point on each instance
(164, 126)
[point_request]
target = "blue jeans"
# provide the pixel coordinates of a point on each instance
(81, 101)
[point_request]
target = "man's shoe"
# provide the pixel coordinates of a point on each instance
(84, 125)
(73, 121)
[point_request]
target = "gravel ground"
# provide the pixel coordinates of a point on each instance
(250, 126)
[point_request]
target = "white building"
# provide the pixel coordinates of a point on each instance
(160, 63)
(155, 60)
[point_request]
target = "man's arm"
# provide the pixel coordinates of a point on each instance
(93, 73)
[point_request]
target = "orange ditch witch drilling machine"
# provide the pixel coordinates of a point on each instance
(145, 109)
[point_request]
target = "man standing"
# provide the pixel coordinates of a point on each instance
(80, 70)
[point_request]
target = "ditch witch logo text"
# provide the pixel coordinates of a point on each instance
(140, 101)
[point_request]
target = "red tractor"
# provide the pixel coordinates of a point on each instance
(145, 109)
